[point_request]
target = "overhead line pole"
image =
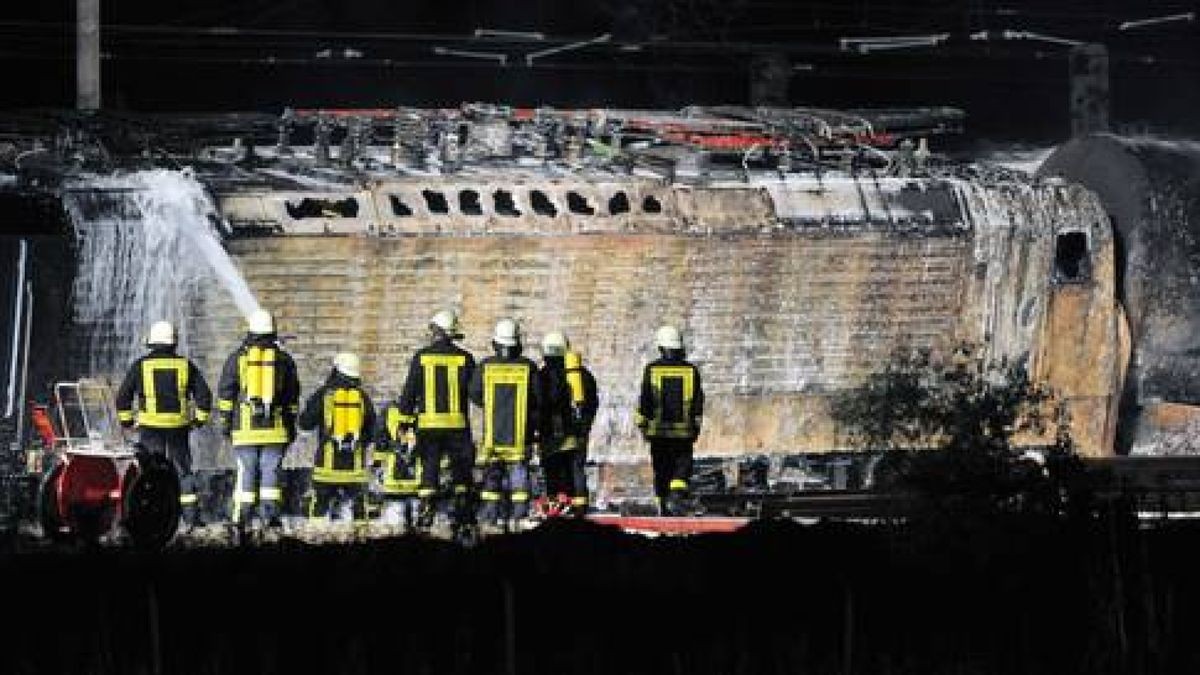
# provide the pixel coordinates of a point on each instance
(87, 54)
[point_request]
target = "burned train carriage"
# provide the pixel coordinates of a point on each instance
(793, 276)
(789, 289)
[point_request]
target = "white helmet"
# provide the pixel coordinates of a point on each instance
(554, 344)
(447, 321)
(162, 334)
(669, 337)
(507, 333)
(347, 364)
(261, 323)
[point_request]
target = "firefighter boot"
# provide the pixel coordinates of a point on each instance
(672, 505)
(462, 512)
(410, 514)
(426, 512)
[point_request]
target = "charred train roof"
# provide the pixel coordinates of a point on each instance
(349, 147)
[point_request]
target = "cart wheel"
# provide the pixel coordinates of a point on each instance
(47, 502)
(152, 503)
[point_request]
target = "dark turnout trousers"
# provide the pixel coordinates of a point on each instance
(672, 463)
(565, 475)
(505, 492)
(455, 445)
(173, 443)
(328, 499)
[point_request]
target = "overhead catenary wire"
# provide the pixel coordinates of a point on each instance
(1154, 21)
(845, 72)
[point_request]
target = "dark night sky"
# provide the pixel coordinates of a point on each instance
(163, 56)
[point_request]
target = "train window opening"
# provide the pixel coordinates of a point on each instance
(505, 205)
(310, 207)
(468, 203)
(1071, 258)
(618, 204)
(651, 205)
(541, 204)
(436, 202)
(578, 204)
(399, 208)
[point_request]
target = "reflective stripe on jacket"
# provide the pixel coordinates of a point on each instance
(345, 419)
(157, 389)
(401, 472)
(671, 404)
(259, 389)
(434, 395)
(509, 391)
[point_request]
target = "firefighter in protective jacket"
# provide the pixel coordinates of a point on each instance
(155, 394)
(434, 404)
(508, 388)
(569, 405)
(258, 400)
(669, 414)
(399, 471)
(344, 417)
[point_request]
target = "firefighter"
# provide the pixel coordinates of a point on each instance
(669, 415)
(434, 403)
(569, 407)
(155, 395)
(258, 400)
(344, 417)
(508, 388)
(399, 471)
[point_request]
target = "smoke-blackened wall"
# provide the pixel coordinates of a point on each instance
(1151, 191)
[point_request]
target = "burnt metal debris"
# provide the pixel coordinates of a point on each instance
(38, 143)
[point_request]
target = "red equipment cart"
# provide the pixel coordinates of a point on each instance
(96, 483)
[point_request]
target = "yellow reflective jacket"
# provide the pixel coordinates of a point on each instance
(344, 417)
(157, 389)
(259, 393)
(569, 403)
(435, 392)
(671, 404)
(509, 391)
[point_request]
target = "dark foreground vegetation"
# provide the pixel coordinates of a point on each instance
(1015, 595)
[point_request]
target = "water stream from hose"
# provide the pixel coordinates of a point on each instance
(147, 248)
